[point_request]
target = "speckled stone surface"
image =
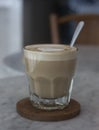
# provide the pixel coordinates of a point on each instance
(85, 91)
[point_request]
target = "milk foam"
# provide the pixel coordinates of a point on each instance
(50, 49)
(50, 52)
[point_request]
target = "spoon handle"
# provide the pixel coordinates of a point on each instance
(76, 33)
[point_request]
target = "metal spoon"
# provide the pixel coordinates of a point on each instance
(76, 33)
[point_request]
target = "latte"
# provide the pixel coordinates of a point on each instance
(50, 69)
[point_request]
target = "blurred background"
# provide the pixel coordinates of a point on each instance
(24, 22)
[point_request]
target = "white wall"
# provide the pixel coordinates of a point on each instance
(10, 36)
(10, 26)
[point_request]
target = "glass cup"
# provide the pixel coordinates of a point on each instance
(50, 69)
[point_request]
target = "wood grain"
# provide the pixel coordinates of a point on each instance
(26, 110)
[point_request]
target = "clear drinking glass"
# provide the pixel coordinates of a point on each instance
(50, 69)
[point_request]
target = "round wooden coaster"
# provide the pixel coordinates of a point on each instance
(25, 109)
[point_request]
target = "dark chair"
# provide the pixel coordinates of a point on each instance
(88, 35)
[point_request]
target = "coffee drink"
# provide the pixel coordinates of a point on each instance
(50, 69)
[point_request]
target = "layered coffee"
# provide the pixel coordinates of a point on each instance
(50, 69)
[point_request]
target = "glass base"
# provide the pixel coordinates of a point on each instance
(49, 104)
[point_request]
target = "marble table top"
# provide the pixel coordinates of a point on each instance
(85, 90)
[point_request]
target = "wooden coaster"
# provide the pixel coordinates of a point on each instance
(25, 109)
